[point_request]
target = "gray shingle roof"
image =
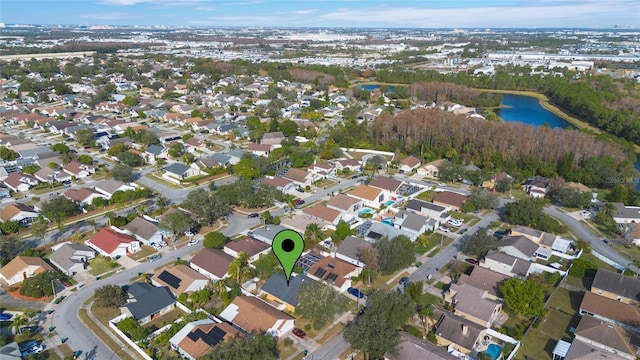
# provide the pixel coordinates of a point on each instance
(149, 299)
(277, 286)
(618, 284)
(177, 168)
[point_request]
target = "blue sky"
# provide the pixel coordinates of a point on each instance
(327, 13)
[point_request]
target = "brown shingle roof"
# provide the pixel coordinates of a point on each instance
(332, 268)
(410, 161)
(185, 274)
(342, 201)
(13, 209)
(604, 333)
(80, 194)
(322, 212)
(276, 181)
(213, 260)
(386, 183)
(248, 245)
(365, 192)
(450, 198)
(256, 315)
(611, 309)
(484, 279)
(20, 262)
(142, 227)
(199, 347)
(296, 175)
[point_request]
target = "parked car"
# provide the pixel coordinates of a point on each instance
(472, 261)
(404, 281)
(355, 292)
(299, 333)
(163, 243)
(585, 213)
(454, 222)
(189, 234)
(5, 317)
(155, 257)
(444, 229)
(253, 215)
(192, 242)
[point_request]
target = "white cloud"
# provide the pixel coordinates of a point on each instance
(303, 12)
(154, 2)
(589, 13)
(106, 16)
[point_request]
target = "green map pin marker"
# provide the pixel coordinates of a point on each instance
(288, 245)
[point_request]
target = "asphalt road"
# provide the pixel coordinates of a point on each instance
(596, 243)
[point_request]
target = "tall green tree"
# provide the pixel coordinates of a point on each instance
(375, 332)
(110, 296)
(523, 296)
(122, 173)
(480, 243)
(215, 240)
(319, 303)
(249, 347)
(342, 231)
(394, 254)
(177, 222)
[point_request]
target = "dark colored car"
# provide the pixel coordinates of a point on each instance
(472, 261)
(5, 317)
(404, 281)
(253, 215)
(299, 333)
(155, 258)
(355, 292)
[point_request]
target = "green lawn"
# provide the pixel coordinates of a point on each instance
(143, 253)
(324, 183)
(462, 216)
(565, 300)
(101, 265)
(539, 342)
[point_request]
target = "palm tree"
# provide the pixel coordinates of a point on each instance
(426, 314)
(19, 321)
(160, 163)
(93, 224)
(313, 235)
(219, 287)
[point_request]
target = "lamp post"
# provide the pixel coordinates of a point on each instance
(53, 287)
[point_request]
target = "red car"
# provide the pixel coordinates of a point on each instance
(472, 261)
(299, 333)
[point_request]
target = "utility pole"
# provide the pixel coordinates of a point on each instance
(53, 287)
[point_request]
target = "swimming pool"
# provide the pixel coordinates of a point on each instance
(387, 221)
(494, 351)
(389, 203)
(365, 211)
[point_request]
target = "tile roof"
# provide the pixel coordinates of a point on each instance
(254, 314)
(213, 260)
(365, 192)
(20, 262)
(386, 183)
(108, 240)
(618, 284)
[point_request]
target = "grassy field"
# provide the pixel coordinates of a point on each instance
(566, 301)
(106, 339)
(286, 351)
(539, 342)
(100, 265)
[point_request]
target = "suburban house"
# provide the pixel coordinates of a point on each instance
(80, 171)
(450, 200)
(299, 222)
(49, 175)
(617, 287)
(281, 294)
(212, 263)
(108, 187)
(428, 209)
(19, 212)
(177, 172)
(196, 338)
(485, 280)
(154, 152)
(331, 216)
(334, 272)
(179, 279)
(506, 264)
(414, 223)
(369, 195)
(610, 338)
(322, 170)
(71, 258)
(253, 314)
(611, 311)
(431, 169)
(267, 233)
(22, 268)
(626, 214)
(147, 302)
(250, 246)
(20, 182)
(536, 186)
(471, 303)
(459, 334)
(285, 185)
(409, 163)
(411, 347)
(299, 177)
(388, 185)
(272, 138)
(112, 243)
(349, 250)
(145, 231)
(377, 230)
(523, 248)
(259, 149)
(83, 195)
(345, 203)
(351, 164)
(495, 179)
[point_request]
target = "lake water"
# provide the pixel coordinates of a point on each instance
(372, 87)
(528, 110)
